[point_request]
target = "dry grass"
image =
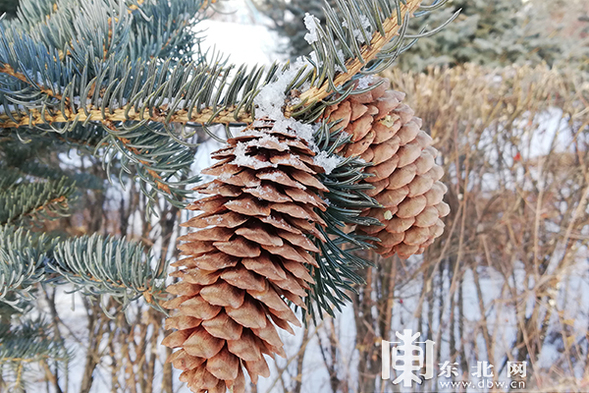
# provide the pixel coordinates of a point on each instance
(508, 279)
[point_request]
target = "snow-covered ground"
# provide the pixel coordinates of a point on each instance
(243, 34)
(246, 44)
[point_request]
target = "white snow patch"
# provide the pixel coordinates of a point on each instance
(245, 43)
(364, 82)
(314, 59)
(267, 138)
(295, 101)
(329, 163)
(357, 33)
(311, 24)
(342, 58)
(242, 159)
(271, 98)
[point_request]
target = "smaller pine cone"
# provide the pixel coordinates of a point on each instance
(406, 177)
(249, 256)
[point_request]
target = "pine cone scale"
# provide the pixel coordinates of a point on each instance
(223, 327)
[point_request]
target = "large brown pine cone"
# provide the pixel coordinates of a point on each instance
(406, 178)
(249, 256)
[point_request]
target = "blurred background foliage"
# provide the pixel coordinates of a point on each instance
(508, 281)
(8, 6)
(492, 33)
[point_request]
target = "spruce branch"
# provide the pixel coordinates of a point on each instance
(23, 257)
(389, 28)
(25, 343)
(202, 94)
(95, 265)
(63, 63)
(9, 178)
(29, 342)
(22, 162)
(34, 201)
(206, 116)
(105, 266)
(336, 275)
(103, 28)
(8, 70)
(35, 169)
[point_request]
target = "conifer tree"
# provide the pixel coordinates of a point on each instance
(494, 33)
(290, 203)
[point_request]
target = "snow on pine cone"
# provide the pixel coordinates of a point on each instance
(406, 178)
(249, 255)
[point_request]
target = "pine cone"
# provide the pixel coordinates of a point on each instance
(249, 256)
(406, 178)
